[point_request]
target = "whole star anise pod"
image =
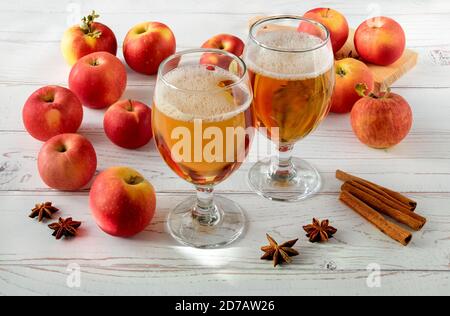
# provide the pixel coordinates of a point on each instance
(65, 227)
(43, 210)
(319, 231)
(279, 253)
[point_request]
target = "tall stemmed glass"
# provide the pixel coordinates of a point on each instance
(203, 126)
(290, 62)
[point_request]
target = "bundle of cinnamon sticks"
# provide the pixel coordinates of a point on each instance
(371, 201)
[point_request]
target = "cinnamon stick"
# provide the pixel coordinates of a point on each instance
(393, 231)
(392, 201)
(395, 197)
(375, 202)
(383, 199)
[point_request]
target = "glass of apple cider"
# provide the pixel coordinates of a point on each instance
(290, 61)
(204, 125)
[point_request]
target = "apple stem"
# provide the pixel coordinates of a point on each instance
(361, 90)
(86, 25)
(341, 72)
(62, 149)
(133, 180)
(130, 105)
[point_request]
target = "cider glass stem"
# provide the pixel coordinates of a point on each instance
(282, 168)
(205, 212)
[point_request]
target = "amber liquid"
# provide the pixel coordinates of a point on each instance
(203, 171)
(295, 107)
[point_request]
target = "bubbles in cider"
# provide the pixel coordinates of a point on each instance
(200, 94)
(195, 108)
(292, 90)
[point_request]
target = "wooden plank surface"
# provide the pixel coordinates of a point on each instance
(152, 263)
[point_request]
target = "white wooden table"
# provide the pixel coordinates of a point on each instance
(31, 262)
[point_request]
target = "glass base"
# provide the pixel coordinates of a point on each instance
(228, 225)
(306, 181)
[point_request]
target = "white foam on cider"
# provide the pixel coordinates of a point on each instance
(288, 65)
(191, 100)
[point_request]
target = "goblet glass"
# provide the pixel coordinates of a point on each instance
(203, 126)
(290, 61)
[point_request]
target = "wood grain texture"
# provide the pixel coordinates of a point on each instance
(396, 167)
(32, 263)
(153, 255)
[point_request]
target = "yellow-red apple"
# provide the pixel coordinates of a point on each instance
(146, 45)
(381, 121)
(128, 124)
(333, 20)
(122, 202)
(349, 73)
(98, 79)
(67, 162)
(226, 42)
(87, 38)
(50, 111)
(380, 41)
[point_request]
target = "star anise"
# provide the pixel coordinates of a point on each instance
(279, 253)
(319, 231)
(65, 227)
(43, 210)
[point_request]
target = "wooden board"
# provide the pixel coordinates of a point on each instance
(384, 76)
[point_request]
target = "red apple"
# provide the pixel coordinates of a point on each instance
(98, 79)
(334, 21)
(67, 162)
(122, 202)
(50, 111)
(147, 45)
(87, 38)
(381, 121)
(227, 42)
(380, 41)
(128, 124)
(349, 73)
